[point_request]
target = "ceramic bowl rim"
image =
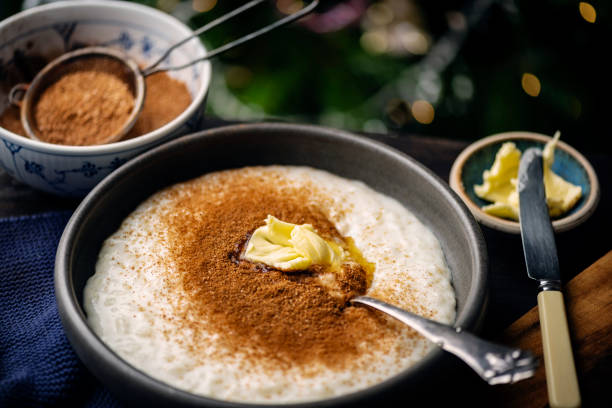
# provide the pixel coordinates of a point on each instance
(129, 144)
(72, 314)
(559, 225)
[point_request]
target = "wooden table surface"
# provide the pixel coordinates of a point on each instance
(588, 300)
(511, 293)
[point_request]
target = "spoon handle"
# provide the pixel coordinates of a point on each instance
(151, 69)
(496, 364)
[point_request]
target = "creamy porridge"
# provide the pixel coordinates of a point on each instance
(173, 297)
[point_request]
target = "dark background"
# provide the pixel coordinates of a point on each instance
(322, 70)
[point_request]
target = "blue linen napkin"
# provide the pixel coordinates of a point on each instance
(38, 367)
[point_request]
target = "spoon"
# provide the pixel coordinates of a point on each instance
(495, 363)
(25, 96)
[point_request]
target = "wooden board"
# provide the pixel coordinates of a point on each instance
(588, 300)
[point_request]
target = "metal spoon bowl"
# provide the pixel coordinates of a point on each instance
(495, 363)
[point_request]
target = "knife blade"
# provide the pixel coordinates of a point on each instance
(543, 265)
(536, 230)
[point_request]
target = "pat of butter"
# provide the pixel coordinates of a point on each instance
(499, 183)
(290, 247)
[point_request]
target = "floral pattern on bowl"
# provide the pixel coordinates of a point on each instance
(47, 32)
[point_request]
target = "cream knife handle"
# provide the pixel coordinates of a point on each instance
(561, 379)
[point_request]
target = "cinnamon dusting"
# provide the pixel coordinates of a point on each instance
(269, 316)
(86, 104)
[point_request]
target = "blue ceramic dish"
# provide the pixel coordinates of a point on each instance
(43, 33)
(569, 164)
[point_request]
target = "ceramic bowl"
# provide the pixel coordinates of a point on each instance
(43, 33)
(381, 167)
(569, 163)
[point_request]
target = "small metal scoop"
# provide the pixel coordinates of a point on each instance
(25, 96)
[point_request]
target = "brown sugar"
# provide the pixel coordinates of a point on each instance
(165, 99)
(270, 316)
(85, 105)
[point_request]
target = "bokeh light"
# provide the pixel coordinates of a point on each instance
(423, 112)
(202, 6)
(463, 87)
(167, 5)
(531, 84)
(289, 6)
(414, 41)
(429, 86)
(587, 11)
(374, 41)
(394, 27)
(379, 14)
(374, 126)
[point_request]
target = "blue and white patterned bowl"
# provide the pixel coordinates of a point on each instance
(569, 163)
(48, 31)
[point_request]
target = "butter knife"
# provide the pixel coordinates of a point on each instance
(543, 266)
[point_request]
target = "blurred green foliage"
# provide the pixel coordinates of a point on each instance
(297, 74)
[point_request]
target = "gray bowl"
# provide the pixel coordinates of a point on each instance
(383, 168)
